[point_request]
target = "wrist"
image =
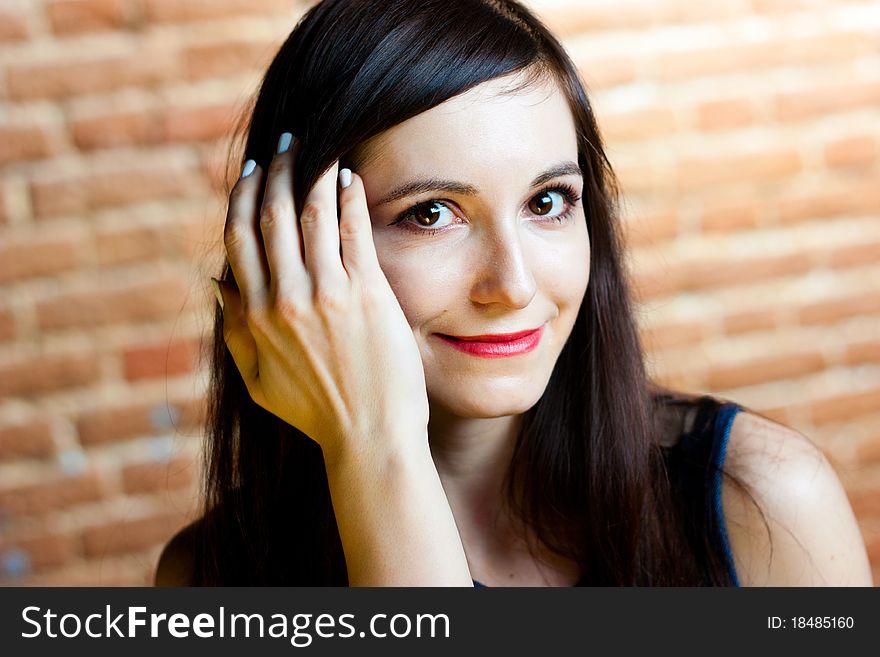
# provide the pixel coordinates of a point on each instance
(379, 452)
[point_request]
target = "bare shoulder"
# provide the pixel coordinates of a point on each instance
(176, 564)
(790, 524)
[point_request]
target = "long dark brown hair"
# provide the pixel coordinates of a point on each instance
(594, 485)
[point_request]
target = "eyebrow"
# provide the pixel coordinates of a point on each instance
(422, 185)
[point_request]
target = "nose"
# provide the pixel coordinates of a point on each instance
(503, 274)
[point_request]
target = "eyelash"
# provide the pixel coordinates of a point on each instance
(566, 191)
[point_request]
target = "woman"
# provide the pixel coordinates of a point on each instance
(374, 422)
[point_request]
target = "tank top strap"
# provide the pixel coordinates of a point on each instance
(721, 435)
(705, 445)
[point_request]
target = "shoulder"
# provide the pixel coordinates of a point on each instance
(788, 518)
(176, 563)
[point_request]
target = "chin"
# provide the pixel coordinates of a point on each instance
(482, 403)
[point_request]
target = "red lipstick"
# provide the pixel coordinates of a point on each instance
(496, 345)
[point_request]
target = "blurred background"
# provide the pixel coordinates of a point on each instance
(746, 134)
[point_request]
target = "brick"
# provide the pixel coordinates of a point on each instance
(26, 440)
(844, 407)
(716, 273)
(199, 123)
(220, 60)
(160, 360)
(663, 281)
(740, 57)
(859, 197)
(855, 255)
(46, 552)
(608, 71)
(858, 151)
(872, 545)
(724, 114)
(638, 125)
(858, 353)
(143, 184)
(80, 16)
(48, 373)
(781, 415)
(193, 413)
(63, 79)
(868, 451)
(763, 369)
(141, 301)
(117, 246)
(137, 419)
(830, 311)
(758, 166)
(866, 504)
(158, 476)
(753, 320)
(673, 335)
(172, 11)
(112, 130)
(5, 202)
(638, 176)
(124, 536)
(198, 236)
(572, 18)
(39, 256)
(826, 100)
(126, 185)
(779, 6)
(8, 329)
(26, 142)
(678, 65)
(648, 228)
(221, 174)
(103, 425)
(729, 218)
(652, 284)
(13, 27)
(60, 493)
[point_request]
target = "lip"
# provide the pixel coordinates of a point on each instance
(496, 345)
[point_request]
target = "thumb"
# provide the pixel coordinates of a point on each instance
(236, 334)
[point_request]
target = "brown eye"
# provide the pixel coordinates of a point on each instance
(542, 203)
(548, 203)
(427, 215)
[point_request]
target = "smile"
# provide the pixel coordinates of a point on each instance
(523, 343)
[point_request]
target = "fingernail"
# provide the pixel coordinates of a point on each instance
(284, 142)
(248, 169)
(216, 285)
(344, 178)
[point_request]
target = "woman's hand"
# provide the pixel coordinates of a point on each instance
(319, 338)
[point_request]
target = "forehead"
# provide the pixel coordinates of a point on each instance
(498, 125)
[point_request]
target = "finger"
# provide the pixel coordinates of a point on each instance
(243, 248)
(239, 340)
(356, 231)
(320, 232)
(278, 223)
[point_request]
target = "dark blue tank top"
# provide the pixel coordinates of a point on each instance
(695, 463)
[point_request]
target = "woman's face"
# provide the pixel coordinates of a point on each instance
(489, 240)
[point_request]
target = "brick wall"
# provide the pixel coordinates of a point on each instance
(745, 133)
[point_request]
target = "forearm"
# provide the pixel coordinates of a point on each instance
(396, 526)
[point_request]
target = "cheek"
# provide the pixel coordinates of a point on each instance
(423, 287)
(564, 271)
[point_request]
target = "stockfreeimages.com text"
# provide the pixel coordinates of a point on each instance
(296, 628)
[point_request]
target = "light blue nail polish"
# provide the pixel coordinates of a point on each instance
(344, 178)
(248, 169)
(284, 142)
